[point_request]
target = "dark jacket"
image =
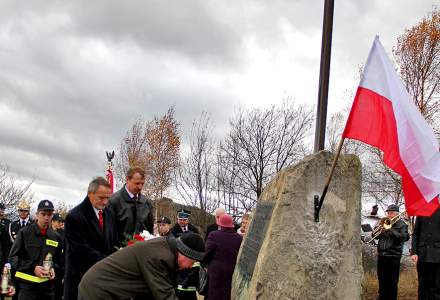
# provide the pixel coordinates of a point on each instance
(177, 230)
(210, 228)
(426, 238)
(85, 244)
(221, 253)
(391, 241)
(15, 226)
(30, 249)
(131, 216)
(214, 227)
(144, 269)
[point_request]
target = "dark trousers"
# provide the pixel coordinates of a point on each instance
(429, 280)
(186, 295)
(36, 291)
(388, 269)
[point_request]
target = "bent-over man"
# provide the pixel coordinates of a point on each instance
(145, 269)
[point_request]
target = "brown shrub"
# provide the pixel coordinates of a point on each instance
(407, 285)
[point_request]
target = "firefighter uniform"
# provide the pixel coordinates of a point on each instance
(30, 250)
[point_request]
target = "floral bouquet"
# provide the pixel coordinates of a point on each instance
(138, 237)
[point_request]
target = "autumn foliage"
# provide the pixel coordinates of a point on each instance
(418, 55)
(153, 145)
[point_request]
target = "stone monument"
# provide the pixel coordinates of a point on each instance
(286, 254)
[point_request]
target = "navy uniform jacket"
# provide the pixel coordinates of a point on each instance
(177, 230)
(85, 244)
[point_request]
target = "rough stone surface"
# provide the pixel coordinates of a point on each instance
(301, 259)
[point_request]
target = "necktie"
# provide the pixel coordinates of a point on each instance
(23, 223)
(100, 220)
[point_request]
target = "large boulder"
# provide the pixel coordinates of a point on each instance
(286, 254)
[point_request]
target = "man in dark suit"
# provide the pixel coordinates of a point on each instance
(425, 252)
(89, 235)
(133, 211)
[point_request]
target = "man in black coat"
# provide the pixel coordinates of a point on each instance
(389, 249)
(133, 211)
(89, 235)
(425, 252)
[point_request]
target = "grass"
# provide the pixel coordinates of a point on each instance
(407, 285)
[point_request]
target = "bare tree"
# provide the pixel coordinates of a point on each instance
(11, 191)
(195, 176)
(259, 144)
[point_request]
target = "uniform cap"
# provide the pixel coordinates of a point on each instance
(393, 207)
(23, 205)
(183, 214)
(45, 205)
(57, 217)
(164, 220)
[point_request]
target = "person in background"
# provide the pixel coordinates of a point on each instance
(23, 219)
(5, 242)
(58, 227)
(425, 252)
(164, 226)
(186, 279)
(389, 249)
(213, 227)
(133, 211)
(36, 256)
(89, 235)
(244, 224)
(58, 223)
(145, 270)
(183, 224)
(221, 253)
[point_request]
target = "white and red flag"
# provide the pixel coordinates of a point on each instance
(110, 178)
(384, 116)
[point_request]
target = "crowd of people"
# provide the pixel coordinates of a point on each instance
(85, 255)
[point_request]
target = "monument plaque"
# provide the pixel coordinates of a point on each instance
(254, 238)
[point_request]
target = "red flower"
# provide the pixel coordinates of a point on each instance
(130, 242)
(138, 237)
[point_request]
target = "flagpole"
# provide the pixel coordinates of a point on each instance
(320, 200)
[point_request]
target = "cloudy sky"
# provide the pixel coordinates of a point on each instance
(75, 74)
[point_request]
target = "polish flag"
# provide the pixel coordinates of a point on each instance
(384, 116)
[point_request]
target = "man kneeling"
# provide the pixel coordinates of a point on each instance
(145, 269)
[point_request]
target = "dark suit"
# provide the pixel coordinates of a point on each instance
(85, 244)
(131, 215)
(177, 230)
(426, 245)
